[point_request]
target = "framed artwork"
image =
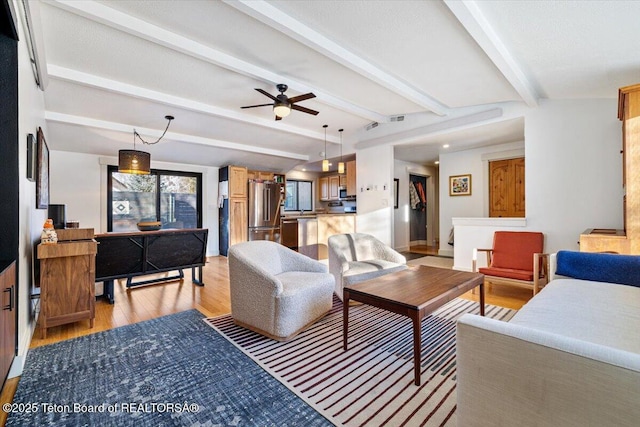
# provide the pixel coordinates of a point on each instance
(396, 185)
(31, 157)
(460, 185)
(42, 172)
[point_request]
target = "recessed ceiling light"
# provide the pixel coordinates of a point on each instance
(437, 162)
(445, 146)
(304, 170)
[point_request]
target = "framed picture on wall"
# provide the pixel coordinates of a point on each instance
(31, 157)
(460, 185)
(396, 185)
(42, 172)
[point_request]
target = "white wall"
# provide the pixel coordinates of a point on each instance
(30, 117)
(86, 198)
(573, 175)
(401, 234)
(374, 177)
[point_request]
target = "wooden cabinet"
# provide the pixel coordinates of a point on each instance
(506, 188)
(351, 178)
(7, 317)
(334, 187)
(67, 281)
(237, 181)
(324, 187)
(343, 181)
(238, 221)
(626, 241)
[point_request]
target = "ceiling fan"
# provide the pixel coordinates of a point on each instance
(283, 105)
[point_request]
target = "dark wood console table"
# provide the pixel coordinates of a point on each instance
(127, 255)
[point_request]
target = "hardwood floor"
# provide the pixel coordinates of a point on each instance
(148, 302)
(424, 249)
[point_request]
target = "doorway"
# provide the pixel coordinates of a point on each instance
(418, 216)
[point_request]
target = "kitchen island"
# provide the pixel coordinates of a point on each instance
(313, 231)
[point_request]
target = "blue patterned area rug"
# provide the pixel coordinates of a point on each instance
(169, 371)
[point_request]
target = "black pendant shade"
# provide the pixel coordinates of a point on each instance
(134, 161)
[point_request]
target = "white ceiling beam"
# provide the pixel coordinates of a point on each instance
(473, 20)
(114, 86)
(280, 21)
(52, 116)
(139, 28)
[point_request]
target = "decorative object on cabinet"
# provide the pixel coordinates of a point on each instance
(340, 163)
(136, 161)
(31, 157)
(325, 162)
(67, 279)
(48, 235)
(42, 172)
(460, 185)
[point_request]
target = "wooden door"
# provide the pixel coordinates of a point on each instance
(507, 188)
(334, 187)
(238, 221)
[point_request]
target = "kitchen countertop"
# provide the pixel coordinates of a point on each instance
(315, 215)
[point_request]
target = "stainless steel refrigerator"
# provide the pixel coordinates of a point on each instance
(265, 198)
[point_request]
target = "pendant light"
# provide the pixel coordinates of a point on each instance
(340, 163)
(325, 162)
(135, 161)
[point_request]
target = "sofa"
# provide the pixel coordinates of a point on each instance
(569, 357)
(275, 291)
(356, 257)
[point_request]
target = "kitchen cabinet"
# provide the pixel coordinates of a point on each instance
(238, 221)
(237, 181)
(351, 178)
(334, 187)
(343, 181)
(324, 188)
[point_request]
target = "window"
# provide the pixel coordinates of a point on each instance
(173, 198)
(299, 196)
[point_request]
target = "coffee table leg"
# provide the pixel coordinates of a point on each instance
(482, 299)
(345, 318)
(417, 345)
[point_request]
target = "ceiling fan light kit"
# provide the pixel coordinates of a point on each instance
(282, 105)
(135, 161)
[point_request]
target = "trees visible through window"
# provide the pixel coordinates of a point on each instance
(173, 198)
(299, 196)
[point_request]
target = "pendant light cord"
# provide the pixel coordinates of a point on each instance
(135, 133)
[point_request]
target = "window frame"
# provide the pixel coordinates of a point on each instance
(298, 195)
(158, 173)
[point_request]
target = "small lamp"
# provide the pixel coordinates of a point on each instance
(340, 163)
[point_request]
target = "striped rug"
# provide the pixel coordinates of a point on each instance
(371, 384)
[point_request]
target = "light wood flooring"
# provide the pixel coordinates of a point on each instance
(148, 302)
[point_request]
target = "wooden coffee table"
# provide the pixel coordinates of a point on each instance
(415, 293)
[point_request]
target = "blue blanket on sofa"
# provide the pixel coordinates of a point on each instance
(599, 267)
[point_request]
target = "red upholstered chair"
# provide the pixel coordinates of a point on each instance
(516, 259)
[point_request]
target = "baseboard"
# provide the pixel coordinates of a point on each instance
(446, 252)
(402, 249)
(18, 362)
(418, 243)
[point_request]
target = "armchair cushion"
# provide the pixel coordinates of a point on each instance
(599, 267)
(508, 273)
(515, 249)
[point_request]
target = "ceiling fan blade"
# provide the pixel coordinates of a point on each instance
(304, 110)
(265, 93)
(301, 97)
(278, 118)
(259, 105)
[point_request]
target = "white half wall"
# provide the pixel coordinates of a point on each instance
(374, 177)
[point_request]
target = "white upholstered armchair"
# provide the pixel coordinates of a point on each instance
(356, 257)
(275, 291)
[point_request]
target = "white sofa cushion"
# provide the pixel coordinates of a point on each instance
(600, 313)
